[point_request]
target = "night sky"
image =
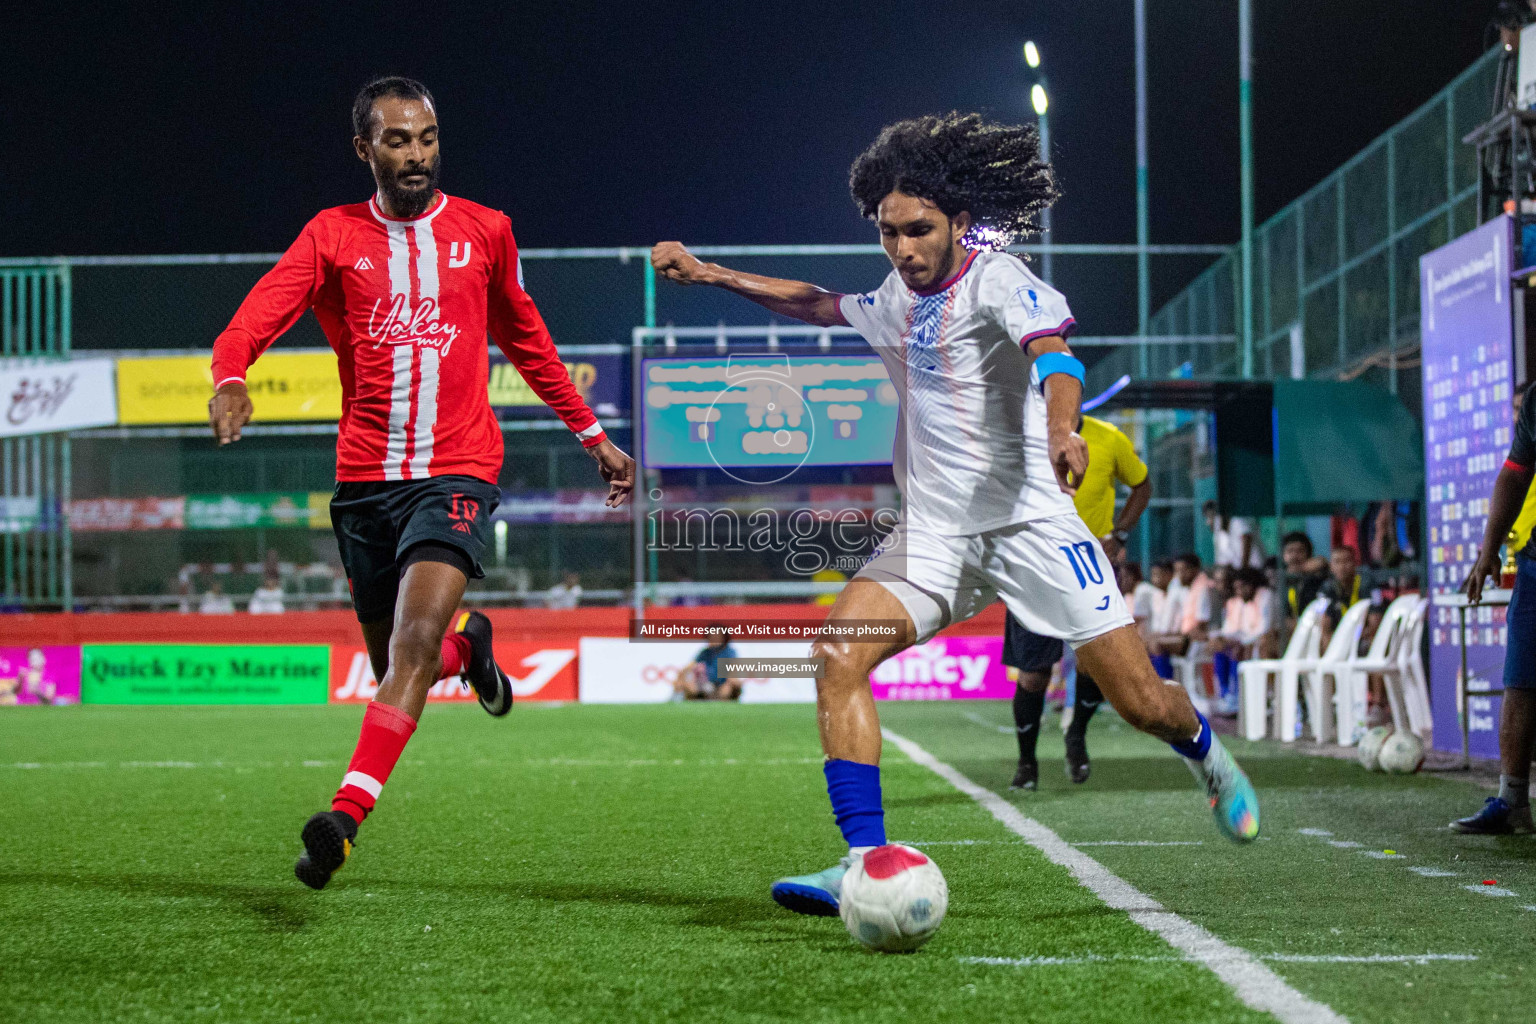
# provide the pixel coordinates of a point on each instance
(134, 130)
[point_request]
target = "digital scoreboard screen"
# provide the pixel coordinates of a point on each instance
(769, 413)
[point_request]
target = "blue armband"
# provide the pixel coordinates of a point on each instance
(1058, 362)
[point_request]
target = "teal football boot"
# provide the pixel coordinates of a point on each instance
(815, 894)
(1233, 801)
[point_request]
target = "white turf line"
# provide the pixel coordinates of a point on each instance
(1420, 959)
(1254, 983)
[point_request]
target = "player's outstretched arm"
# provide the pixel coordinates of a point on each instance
(228, 410)
(805, 302)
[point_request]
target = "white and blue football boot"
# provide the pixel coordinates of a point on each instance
(815, 894)
(1233, 801)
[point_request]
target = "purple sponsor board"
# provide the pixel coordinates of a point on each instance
(1468, 346)
(945, 668)
(39, 675)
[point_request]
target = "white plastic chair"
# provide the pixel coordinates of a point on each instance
(1254, 675)
(1352, 689)
(1393, 652)
(1186, 667)
(1318, 674)
(1415, 678)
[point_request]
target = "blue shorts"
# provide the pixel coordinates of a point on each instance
(1520, 654)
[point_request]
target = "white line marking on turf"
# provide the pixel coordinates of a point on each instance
(974, 717)
(1314, 832)
(1490, 890)
(1283, 958)
(1432, 872)
(1384, 855)
(1344, 844)
(1140, 842)
(1254, 983)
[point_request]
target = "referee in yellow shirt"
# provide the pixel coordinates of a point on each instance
(1030, 656)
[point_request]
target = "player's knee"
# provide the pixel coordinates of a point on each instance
(843, 664)
(415, 648)
(1034, 682)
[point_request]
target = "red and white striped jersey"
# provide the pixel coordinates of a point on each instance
(407, 305)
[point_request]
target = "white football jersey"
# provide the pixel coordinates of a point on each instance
(970, 451)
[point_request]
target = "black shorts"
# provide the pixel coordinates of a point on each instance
(1029, 652)
(378, 522)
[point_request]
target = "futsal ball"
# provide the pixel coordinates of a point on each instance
(1402, 753)
(893, 899)
(1369, 750)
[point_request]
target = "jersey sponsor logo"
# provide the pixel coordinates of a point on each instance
(462, 511)
(363, 264)
(454, 257)
(401, 325)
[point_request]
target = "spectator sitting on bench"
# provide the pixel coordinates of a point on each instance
(1188, 614)
(1245, 626)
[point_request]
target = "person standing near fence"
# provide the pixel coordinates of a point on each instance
(1510, 811)
(1030, 656)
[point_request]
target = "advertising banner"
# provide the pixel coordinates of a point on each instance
(297, 386)
(615, 670)
(311, 509)
(1468, 349)
(175, 389)
(204, 673)
(537, 672)
(239, 511)
(602, 381)
(39, 675)
(767, 413)
(945, 668)
(118, 514)
(566, 505)
(43, 397)
(21, 514)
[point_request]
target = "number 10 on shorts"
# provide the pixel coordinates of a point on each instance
(1084, 561)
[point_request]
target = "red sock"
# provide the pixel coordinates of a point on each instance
(385, 732)
(455, 655)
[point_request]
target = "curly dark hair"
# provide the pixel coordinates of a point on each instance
(960, 162)
(390, 85)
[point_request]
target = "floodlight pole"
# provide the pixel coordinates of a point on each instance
(1143, 230)
(1045, 215)
(1245, 136)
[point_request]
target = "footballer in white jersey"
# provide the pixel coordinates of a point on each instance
(987, 457)
(983, 514)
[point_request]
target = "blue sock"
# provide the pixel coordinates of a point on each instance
(1197, 748)
(1226, 671)
(855, 792)
(1163, 665)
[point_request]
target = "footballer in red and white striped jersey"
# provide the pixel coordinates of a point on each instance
(407, 305)
(406, 287)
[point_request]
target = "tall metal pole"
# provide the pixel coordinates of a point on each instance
(1045, 217)
(1245, 128)
(1143, 230)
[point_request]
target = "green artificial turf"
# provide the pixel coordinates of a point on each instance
(612, 863)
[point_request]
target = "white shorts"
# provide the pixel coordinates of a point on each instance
(1050, 573)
